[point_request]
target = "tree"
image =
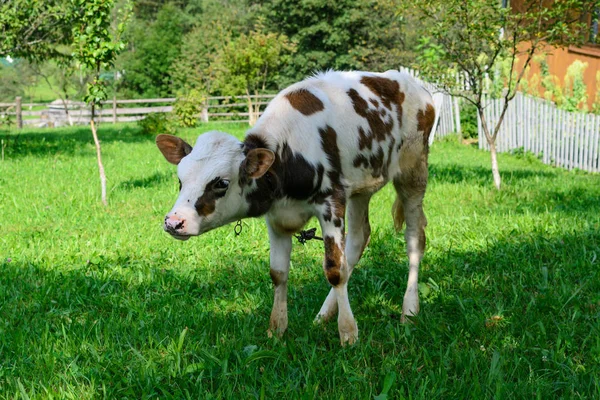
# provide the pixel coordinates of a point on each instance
(201, 48)
(15, 78)
(153, 48)
(250, 64)
(344, 34)
(64, 79)
(95, 48)
(46, 30)
(33, 29)
(475, 37)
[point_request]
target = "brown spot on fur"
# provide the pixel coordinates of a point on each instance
(360, 160)
(333, 277)
(379, 129)
(335, 196)
(364, 140)
(277, 277)
(330, 147)
(333, 260)
(305, 102)
(376, 161)
(339, 204)
(205, 205)
(425, 120)
(388, 91)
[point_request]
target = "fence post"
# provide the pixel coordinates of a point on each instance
(457, 116)
(19, 112)
(250, 118)
(204, 112)
(114, 108)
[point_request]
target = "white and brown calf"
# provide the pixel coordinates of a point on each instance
(322, 148)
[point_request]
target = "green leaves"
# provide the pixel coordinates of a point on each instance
(95, 44)
(250, 62)
(34, 29)
(477, 36)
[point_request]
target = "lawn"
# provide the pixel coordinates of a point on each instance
(99, 302)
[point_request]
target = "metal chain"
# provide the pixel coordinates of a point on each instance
(305, 236)
(238, 228)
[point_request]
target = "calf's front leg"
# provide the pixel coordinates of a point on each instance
(281, 247)
(336, 269)
(357, 238)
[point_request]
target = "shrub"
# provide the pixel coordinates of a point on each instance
(156, 123)
(187, 108)
(6, 120)
(468, 120)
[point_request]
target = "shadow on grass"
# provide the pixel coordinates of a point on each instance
(153, 180)
(123, 330)
(480, 175)
(67, 141)
(526, 190)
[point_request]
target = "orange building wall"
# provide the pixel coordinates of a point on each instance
(559, 61)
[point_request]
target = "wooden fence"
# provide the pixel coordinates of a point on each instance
(221, 108)
(558, 137)
(446, 108)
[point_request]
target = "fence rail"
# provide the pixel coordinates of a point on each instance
(222, 108)
(558, 137)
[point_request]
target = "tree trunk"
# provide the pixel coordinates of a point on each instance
(19, 112)
(66, 108)
(251, 115)
(491, 139)
(495, 171)
(99, 157)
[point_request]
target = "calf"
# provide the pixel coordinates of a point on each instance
(322, 148)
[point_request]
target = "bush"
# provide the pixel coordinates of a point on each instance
(6, 120)
(156, 123)
(468, 120)
(187, 109)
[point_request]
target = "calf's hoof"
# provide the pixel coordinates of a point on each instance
(277, 327)
(408, 313)
(348, 332)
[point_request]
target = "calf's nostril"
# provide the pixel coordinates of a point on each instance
(179, 225)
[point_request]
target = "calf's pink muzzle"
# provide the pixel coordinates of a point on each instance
(175, 226)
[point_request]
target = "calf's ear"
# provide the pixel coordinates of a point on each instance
(173, 148)
(257, 163)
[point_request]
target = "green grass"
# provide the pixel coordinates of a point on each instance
(100, 303)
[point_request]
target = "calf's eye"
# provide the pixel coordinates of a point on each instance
(222, 184)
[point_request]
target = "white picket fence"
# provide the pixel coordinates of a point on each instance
(446, 108)
(558, 137)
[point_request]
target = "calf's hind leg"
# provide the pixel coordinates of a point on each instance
(281, 248)
(357, 238)
(410, 187)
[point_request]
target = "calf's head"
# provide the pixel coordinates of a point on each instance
(214, 176)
